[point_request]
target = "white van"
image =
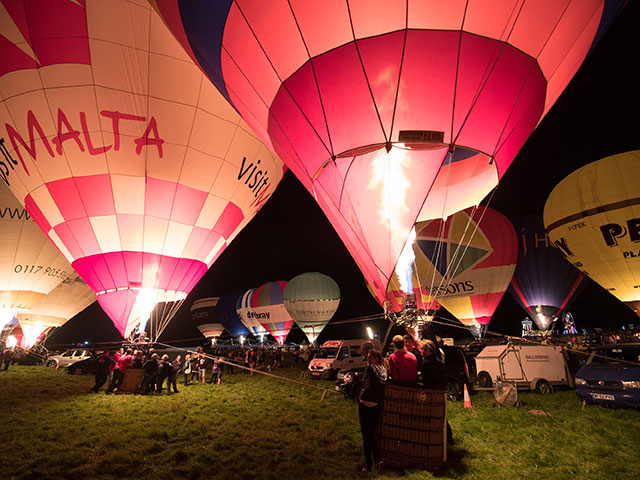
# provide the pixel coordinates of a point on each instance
(336, 355)
(536, 367)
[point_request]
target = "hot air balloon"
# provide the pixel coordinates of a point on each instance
(311, 299)
(205, 317)
(244, 310)
(544, 283)
(593, 219)
(228, 316)
(133, 165)
(467, 262)
(30, 267)
(267, 306)
(389, 112)
(65, 301)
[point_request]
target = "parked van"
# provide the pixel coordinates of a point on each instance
(611, 376)
(336, 355)
(536, 367)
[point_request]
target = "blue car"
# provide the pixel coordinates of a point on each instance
(611, 376)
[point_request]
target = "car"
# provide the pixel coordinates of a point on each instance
(336, 355)
(611, 376)
(84, 367)
(67, 358)
(349, 381)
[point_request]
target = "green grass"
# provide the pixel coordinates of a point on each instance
(259, 427)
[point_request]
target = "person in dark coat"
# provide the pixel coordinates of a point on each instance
(103, 367)
(164, 371)
(370, 407)
(149, 378)
(432, 368)
(433, 374)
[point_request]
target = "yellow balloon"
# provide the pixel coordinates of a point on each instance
(593, 218)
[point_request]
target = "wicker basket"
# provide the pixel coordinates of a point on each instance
(412, 429)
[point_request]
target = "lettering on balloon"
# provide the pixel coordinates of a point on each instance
(632, 254)
(258, 316)
(7, 163)
(81, 138)
(453, 288)
(561, 245)
(14, 213)
(612, 232)
(255, 178)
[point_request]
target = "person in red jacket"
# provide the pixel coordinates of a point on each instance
(118, 372)
(403, 364)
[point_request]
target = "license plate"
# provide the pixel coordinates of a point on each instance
(316, 374)
(603, 396)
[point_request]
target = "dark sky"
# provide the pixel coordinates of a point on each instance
(596, 116)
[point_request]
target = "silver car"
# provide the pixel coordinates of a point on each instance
(67, 358)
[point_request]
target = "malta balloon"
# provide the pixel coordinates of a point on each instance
(123, 153)
(30, 266)
(389, 111)
(228, 316)
(244, 310)
(64, 302)
(267, 306)
(312, 299)
(544, 283)
(467, 262)
(593, 219)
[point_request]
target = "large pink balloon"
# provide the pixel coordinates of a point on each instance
(389, 111)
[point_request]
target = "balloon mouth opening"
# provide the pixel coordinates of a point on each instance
(146, 304)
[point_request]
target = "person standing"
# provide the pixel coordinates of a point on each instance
(413, 346)
(7, 358)
(202, 368)
(148, 379)
(118, 372)
(176, 368)
(164, 371)
(103, 367)
(433, 374)
(215, 371)
(186, 368)
(403, 364)
(370, 408)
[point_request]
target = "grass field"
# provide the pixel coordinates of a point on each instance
(262, 428)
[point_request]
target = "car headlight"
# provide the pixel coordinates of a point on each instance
(631, 384)
(348, 378)
(581, 381)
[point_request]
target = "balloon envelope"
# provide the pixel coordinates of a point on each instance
(245, 312)
(467, 262)
(268, 306)
(65, 301)
(544, 283)
(311, 299)
(593, 219)
(227, 314)
(389, 112)
(128, 159)
(30, 266)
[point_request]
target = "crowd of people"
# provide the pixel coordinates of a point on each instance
(196, 367)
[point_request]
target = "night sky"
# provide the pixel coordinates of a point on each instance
(596, 116)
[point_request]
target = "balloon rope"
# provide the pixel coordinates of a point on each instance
(266, 374)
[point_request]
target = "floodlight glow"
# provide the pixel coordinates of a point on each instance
(370, 333)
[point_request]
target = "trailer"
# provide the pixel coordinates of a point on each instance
(533, 367)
